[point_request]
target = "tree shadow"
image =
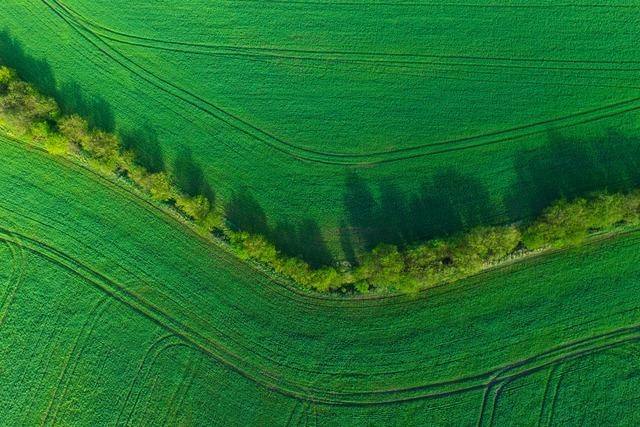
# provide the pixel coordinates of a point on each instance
(454, 202)
(144, 144)
(361, 208)
(346, 242)
(36, 71)
(568, 167)
(95, 109)
(447, 203)
(189, 176)
(69, 95)
(244, 213)
(451, 202)
(303, 240)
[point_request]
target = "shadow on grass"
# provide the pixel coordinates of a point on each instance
(303, 240)
(144, 144)
(451, 202)
(189, 176)
(567, 167)
(69, 95)
(447, 203)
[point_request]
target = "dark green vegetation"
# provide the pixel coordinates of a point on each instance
(301, 110)
(99, 325)
(37, 118)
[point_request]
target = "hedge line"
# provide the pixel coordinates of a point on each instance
(30, 115)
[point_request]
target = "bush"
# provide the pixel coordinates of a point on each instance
(605, 210)
(196, 207)
(40, 131)
(22, 100)
(214, 220)
(632, 208)
(295, 268)
(257, 247)
(159, 185)
(7, 75)
(75, 129)
(490, 244)
(102, 146)
(562, 224)
(383, 265)
(326, 279)
(52, 141)
(362, 287)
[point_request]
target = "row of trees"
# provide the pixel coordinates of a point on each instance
(28, 114)
(386, 267)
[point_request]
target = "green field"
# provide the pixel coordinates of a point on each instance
(328, 126)
(113, 313)
(359, 119)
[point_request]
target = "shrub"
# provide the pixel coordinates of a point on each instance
(159, 185)
(326, 279)
(362, 287)
(383, 265)
(7, 75)
(56, 144)
(75, 129)
(258, 248)
(40, 132)
(102, 146)
(214, 220)
(52, 141)
(23, 100)
(562, 224)
(605, 210)
(632, 208)
(490, 244)
(295, 268)
(196, 207)
(429, 256)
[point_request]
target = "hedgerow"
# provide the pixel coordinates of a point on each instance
(27, 114)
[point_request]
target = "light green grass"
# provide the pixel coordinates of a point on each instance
(112, 311)
(269, 97)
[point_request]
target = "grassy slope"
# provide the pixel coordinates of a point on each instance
(251, 90)
(110, 305)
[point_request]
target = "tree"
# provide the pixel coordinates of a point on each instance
(383, 265)
(102, 146)
(75, 129)
(7, 75)
(24, 101)
(195, 207)
(160, 187)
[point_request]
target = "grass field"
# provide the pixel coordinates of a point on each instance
(334, 126)
(358, 119)
(112, 313)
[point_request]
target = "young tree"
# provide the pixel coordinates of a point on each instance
(383, 265)
(7, 75)
(159, 185)
(75, 129)
(102, 146)
(21, 99)
(195, 207)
